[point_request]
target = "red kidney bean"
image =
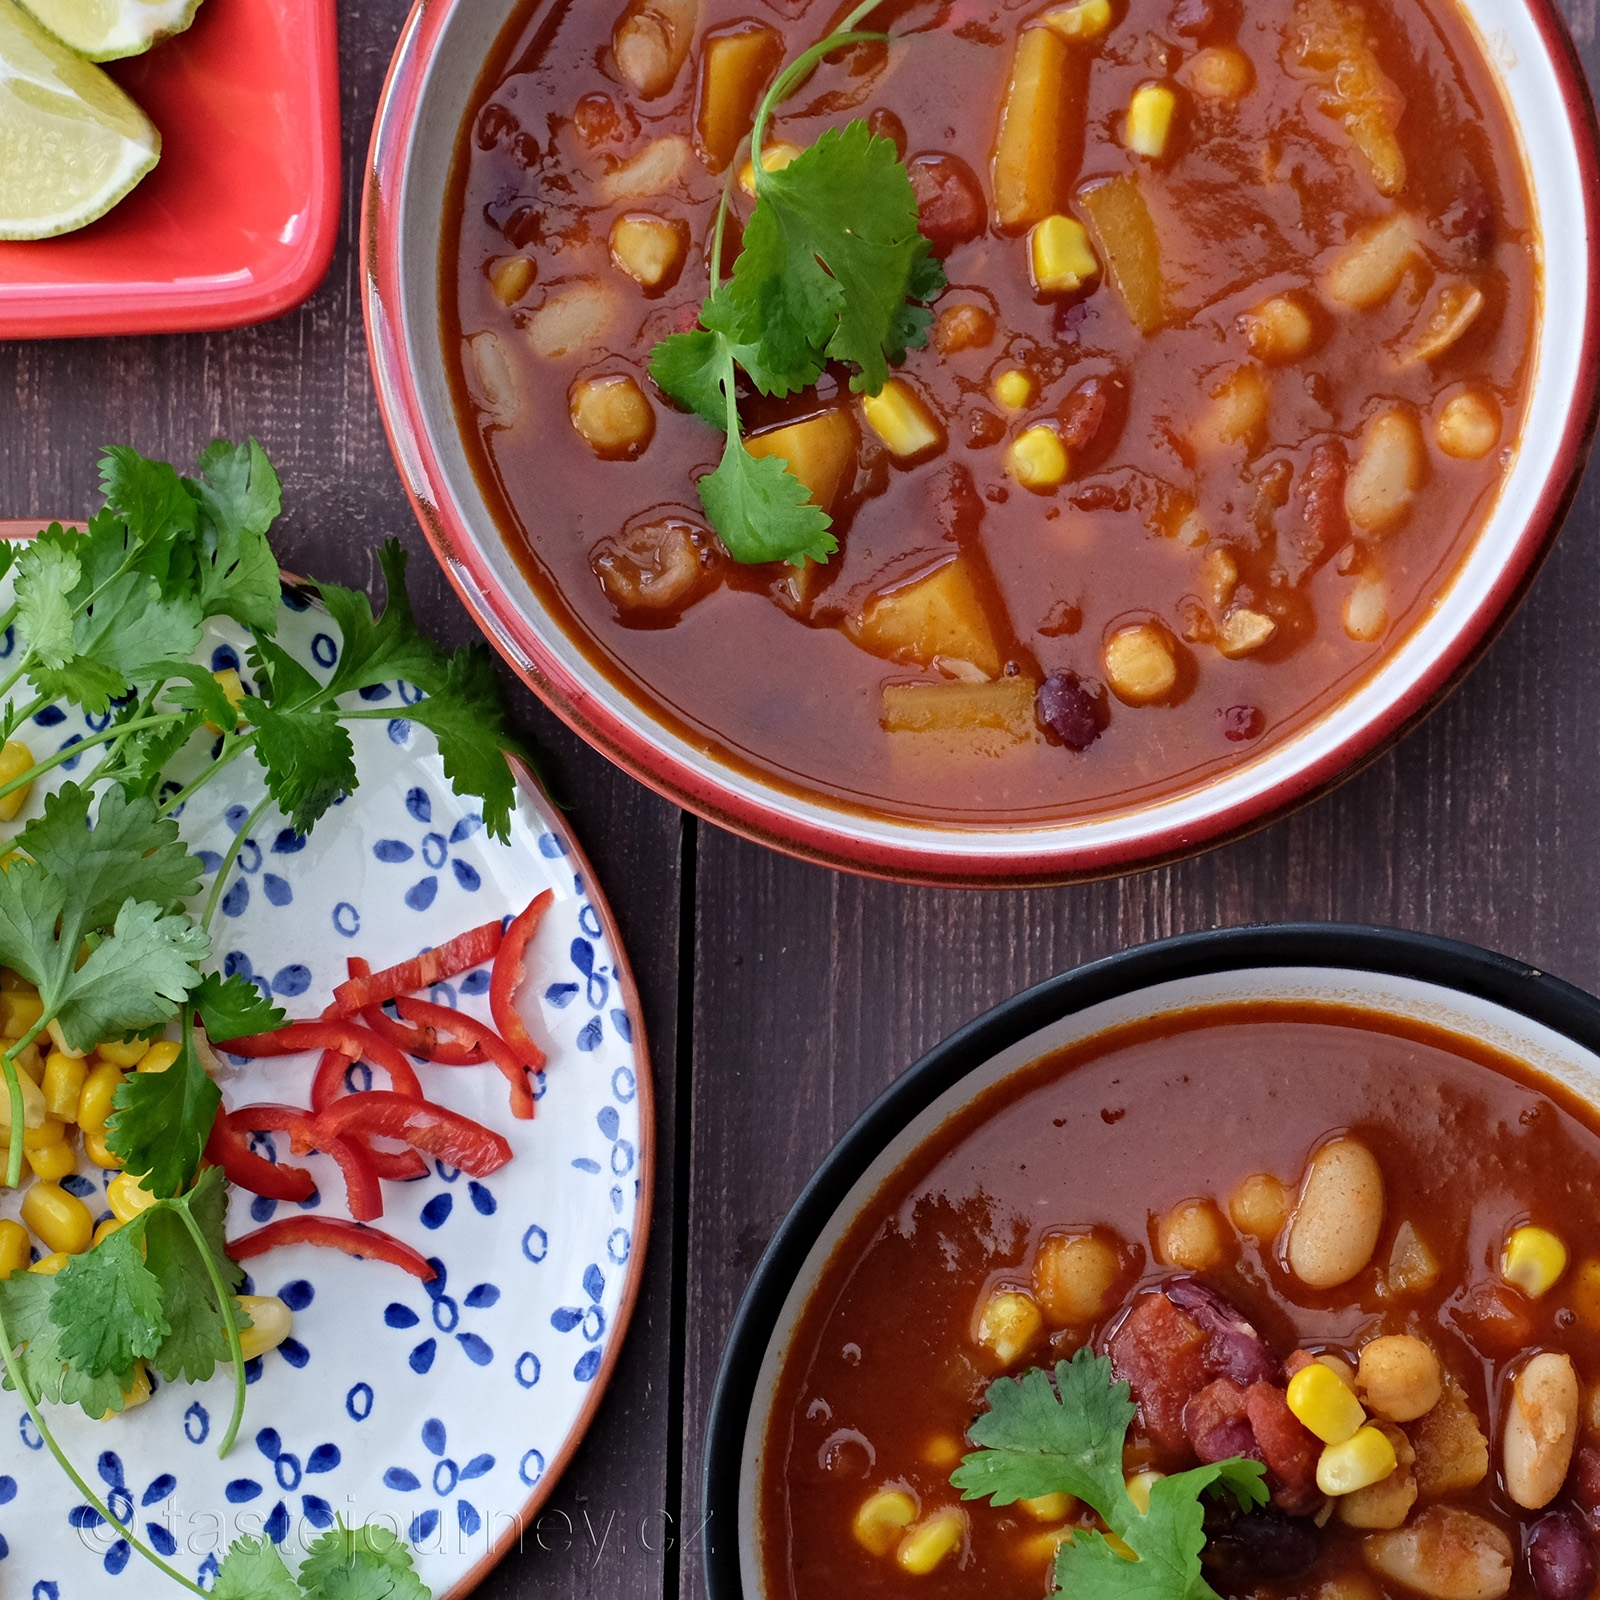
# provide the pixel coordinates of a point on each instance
(1262, 1547)
(1561, 1558)
(950, 204)
(886, 125)
(1216, 1423)
(1233, 1349)
(1240, 724)
(1069, 712)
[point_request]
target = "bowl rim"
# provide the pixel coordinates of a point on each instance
(617, 726)
(1449, 964)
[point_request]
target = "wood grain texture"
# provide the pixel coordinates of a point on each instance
(301, 385)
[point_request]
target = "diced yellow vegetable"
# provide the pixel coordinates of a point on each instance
(882, 1518)
(1366, 1457)
(1323, 1404)
(1010, 1325)
(60, 1219)
(1369, 269)
(53, 1162)
(128, 1197)
(1358, 94)
(1047, 1507)
(101, 1153)
(736, 65)
(15, 1247)
(1082, 22)
(33, 1107)
(99, 1089)
(1534, 1260)
(572, 319)
(1037, 459)
(1150, 114)
(1244, 631)
(1041, 129)
(512, 278)
(48, 1266)
(106, 1229)
(271, 1322)
(1125, 239)
(820, 451)
(63, 1084)
(15, 759)
(1015, 389)
(20, 1010)
(232, 686)
(774, 158)
(1061, 256)
(929, 620)
(1005, 705)
(120, 1054)
(650, 249)
(933, 1540)
(1139, 1487)
(942, 1450)
(159, 1056)
(137, 1392)
(901, 418)
(612, 415)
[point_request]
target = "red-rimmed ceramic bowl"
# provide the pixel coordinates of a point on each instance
(441, 53)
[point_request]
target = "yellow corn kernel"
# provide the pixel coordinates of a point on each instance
(106, 1229)
(99, 1152)
(30, 1062)
(774, 158)
(20, 1010)
(54, 1161)
(15, 1247)
(934, 1538)
(121, 1054)
(882, 1518)
(1037, 459)
(48, 1266)
(1010, 1324)
(942, 1450)
(1365, 1458)
(1061, 256)
(63, 1084)
(1040, 1548)
(60, 1219)
(1080, 23)
(1015, 389)
(15, 759)
(1121, 1546)
(58, 1038)
(1048, 1507)
(50, 1132)
(232, 686)
(99, 1090)
(139, 1390)
(1150, 114)
(127, 1197)
(271, 1322)
(901, 418)
(1324, 1405)
(159, 1056)
(1534, 1259)
(1139, 1486)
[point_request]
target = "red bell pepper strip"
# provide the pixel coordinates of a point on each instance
(229, 1148)
(507, 974)
(398, 1166)
(371, 1244)
(466, 950)
(348, 1038)
(485, 1039)
(439, 1132)
(355, 1162)
(422, 1042)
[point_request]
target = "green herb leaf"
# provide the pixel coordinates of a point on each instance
(149, 495)
(240, 496)
(308, 759)
(198, 1340)
(373, 652)
(762, 511)
(108, 1305)
(144, 757)
(368, 1563)
(27, 1298)
(162, 1120)
(232, 1007)
(195, 689)
(253, 1570)
(691, 368)
(47, 573)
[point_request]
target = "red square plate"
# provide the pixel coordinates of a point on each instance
(238, 222)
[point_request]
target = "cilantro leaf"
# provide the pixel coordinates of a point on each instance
(162, 1120)
(308, 759)
(47, 573)
(146, 753)
(369, 1563)
(149, 495)
(253, 1570)
(240, 496)
(1039, 1438)
(26, 1298)
(108, 1304)
(372, 652)
(463, 712)
(195, 689)
(690, 368)
(762, 511)
(232, 1007)
(198, 1337)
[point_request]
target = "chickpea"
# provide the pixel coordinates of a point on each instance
(1141, 663)
(1398, 1377)
(1009, 1325)
(613, 416)
(963, 327)
(1219, 73)
(1074, 1276)
(1335, 1225)
(1469, 426)
(1279, 329)
(1540, 1430)
(1366, 610)
(1259, 1206)
(1192, 1235)
(1387, 473)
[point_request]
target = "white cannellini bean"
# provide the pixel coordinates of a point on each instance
(651, 42)
(1366, 610)
(660, 166)
(1370, 268)
(1388, 472)
(571, 318)
(1445, 1554)
(1541, 1428)
(497, 379)
(1335, 1225)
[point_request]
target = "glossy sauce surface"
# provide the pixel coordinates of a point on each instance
(884, 1369)
(1255, 197)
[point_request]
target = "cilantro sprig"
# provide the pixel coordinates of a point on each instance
(833, 268)
(1041, 1436)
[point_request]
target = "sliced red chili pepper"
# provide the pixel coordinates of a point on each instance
(348, 1038)
(466, 950)
(507, 974)
(328, 1084)
(269, 1117)
(486, 1040)
(333, 1233)
(229, 1148)
(422, 1042)
(454, 1139)
(363, 1192)
(356, 1162)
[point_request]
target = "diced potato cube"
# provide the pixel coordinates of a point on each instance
(1219, 72)
(1334, 44)
(1279, 329)
(660, 166)
(613, 416)
(1150, 116)
(650, 249)
(1041, 129)
(1062, 258)
(1243, 632)
(1125, 239)
(1141, 663)
(1469, 426)
(930, 620)
(820, 452)
(1370, 268)
(1455, 308)
(1387, 474)
(774, 158)
(1219, 576)
(1082, 22)
(1005, 706)
(651, 42)
(571, 319)
(512, 278)
(496, 389)
(902, 419)
(1037, 459)
(736, 66)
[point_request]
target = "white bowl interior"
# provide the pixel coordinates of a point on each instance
(1516, 50)
(1548, 1052)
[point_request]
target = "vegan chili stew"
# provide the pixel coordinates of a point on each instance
(1266, 1300)
(1230, 357)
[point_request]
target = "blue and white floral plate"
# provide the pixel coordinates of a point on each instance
(444, 1410)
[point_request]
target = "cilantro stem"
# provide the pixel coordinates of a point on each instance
(234, 746)
(88, 742)
(227, 864)
(792, 76)
(226, 1304)
(8, 1063)
(14, 1371)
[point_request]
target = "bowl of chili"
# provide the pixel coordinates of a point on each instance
(1127, 564)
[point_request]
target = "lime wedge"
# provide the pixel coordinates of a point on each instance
(72, 144)
(108, 30)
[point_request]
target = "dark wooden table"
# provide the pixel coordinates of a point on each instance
(782, 998)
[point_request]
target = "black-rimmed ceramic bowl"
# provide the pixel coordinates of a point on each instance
(1505, 1004)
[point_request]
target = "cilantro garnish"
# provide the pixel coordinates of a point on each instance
(832, 269)
(1041, 1437)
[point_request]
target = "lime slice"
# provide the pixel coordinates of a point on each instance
(72, 144)
(108, 30)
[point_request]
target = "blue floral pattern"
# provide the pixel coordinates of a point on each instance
(444, 1478)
